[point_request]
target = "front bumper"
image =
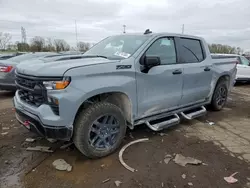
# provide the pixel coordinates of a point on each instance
(34, 124)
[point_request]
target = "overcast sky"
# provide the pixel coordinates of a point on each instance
(218, 21)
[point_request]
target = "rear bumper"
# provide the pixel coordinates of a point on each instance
(34, 124)
(8, 87)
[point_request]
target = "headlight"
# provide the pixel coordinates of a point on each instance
(57, 85)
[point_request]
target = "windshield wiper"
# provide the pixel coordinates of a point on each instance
(102, 56)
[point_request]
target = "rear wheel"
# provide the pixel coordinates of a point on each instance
(220, 94)
(99, 130)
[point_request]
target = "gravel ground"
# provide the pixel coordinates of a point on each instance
(21, 168)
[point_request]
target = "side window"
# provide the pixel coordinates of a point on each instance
(164, 48)
(191, 50)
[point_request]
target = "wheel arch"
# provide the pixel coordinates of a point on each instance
(118, 98)
(225, 77)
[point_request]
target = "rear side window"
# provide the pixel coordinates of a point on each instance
(191, 50)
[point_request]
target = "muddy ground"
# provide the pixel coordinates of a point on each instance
(21, 168)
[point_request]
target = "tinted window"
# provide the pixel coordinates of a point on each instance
(191, 50)
(163, 48)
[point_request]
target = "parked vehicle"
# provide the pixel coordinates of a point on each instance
(123, 81)
(7, 68)
(243, 68)
(8, 56)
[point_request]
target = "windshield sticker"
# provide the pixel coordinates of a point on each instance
(122, 54)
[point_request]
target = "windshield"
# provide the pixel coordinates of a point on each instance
(244, 61)
(117, 47)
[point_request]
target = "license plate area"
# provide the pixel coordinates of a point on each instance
(24, 121)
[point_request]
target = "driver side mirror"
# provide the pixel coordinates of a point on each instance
(151, 61)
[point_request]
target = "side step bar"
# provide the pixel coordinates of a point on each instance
(194, 113)
(162, 123)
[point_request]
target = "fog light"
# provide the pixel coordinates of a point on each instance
(52, 100)
(56, 101)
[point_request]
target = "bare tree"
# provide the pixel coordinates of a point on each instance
(22, 47)
(83, 46)
(61, 45)
(37, 44)
(239, 51)
(4, 40)
(49, 46)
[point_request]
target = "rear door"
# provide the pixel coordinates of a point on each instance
(197, 74)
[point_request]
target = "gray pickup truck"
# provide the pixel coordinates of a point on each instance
(123, 81)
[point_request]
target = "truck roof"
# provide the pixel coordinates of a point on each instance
(163, 34)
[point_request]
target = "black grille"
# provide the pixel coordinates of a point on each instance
(31, 91)
(30, 98)
(25, 82)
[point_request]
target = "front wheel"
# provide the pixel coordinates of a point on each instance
(220, 94)
(99, 130)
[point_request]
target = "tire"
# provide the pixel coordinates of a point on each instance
(221, 91)
(88, 127)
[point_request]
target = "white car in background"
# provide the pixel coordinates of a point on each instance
(243, 66)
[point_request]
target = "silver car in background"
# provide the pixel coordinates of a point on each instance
(7, 67)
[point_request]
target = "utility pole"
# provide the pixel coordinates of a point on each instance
(23, 33)
(183, 28)
(24, 41)
(76, 36)
(124, 29)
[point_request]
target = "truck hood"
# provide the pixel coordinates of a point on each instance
(57, 68)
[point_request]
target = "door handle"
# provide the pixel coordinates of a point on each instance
(207, 69)
(177, 72)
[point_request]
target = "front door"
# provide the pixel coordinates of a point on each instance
(160, 88)
(197, 74)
